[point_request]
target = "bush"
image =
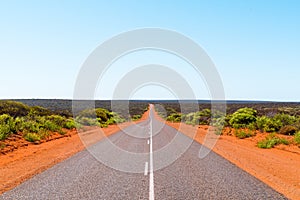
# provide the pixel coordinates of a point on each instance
(116, 118)
(70, 124)
(203, 116)
(58, 120)
(252, 126)
(52, 126)
(100, 113)
(4, 132)
(189, 118)
(7, 126)
(285, 119)
(30, 126)
(98, 117)
(13, 108)
(85, 121)
(243, 117)
(136, 117)
(175, 117)
(39, 111)
(268, 124)
(288, 130)
(297, 138)
(43, 133)
(32, 137)
(241, 134)
(270, 141)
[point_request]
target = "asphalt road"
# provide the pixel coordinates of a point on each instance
(84, 177)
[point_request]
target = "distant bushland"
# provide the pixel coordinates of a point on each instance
(35, 122)
(267, 117)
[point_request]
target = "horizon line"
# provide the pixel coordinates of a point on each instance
(166, 99)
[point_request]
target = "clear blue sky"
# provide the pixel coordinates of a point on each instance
(254, 44)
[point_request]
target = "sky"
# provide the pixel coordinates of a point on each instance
(253, 44)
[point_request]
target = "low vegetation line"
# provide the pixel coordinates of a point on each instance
(35, 124)
(281, 125)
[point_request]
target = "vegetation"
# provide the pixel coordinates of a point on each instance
(32, 137)
(288, 130)
(270, 141)
(202, 117)
(174, 117)
(268, 117)
(34, 123)
(268, 124)
(98, 117)
(297, 138)
(243, 117)
(241, 134)
(40, 118)
(136, 117)
(7, 126)
(13, 108)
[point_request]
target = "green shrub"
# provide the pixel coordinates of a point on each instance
(100, 113)
(241, 134)
(32, 137)
(285, 119)
(252, 126)
(136, 117)
(39, 111)
(297, 138)
(85, 121)
(175, 117)
(116, 118)
(7, 126)
(4, 132)
(297, 124)
(103, 114)
(70, 124)
(203, 116)
(189, 118)
(243, 117)
(270, 141)
(43, 133)
(98, 117)
(288, 130)
(30, 126)
(58, 120)
(268, 124)
(52, 126)
(13, 108)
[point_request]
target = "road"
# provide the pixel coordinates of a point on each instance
(84, 177)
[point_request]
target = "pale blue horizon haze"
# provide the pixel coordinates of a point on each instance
(254, 44)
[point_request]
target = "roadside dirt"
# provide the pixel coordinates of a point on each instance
(21, 160)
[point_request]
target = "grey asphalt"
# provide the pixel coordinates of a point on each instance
(189, 177)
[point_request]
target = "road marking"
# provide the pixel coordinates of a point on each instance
(147, 141)
(146, 169)
(151, 179)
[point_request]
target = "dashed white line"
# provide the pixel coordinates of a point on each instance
(146, 169)
(147, 141)
(151, 178)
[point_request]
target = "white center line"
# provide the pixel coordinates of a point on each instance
(146, 169)
(151, 179)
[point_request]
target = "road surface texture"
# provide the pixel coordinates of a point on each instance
(189, 177)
